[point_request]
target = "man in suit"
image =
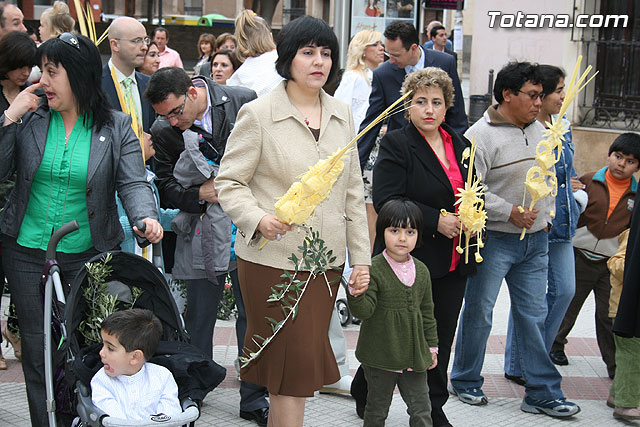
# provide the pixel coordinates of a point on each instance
(129, 43)
(202, 106)
(406, 56)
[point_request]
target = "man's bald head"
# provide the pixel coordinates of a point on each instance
(11, 18)
(128, 42)
(122, 25)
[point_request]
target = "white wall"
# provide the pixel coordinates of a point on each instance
(492, 48)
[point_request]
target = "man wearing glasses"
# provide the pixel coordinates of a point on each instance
(121, 82)
(507, 136)
(196, 117)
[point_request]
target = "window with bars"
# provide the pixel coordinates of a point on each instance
(614, 100)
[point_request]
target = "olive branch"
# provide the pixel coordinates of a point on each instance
(100, 303)
(316, 259)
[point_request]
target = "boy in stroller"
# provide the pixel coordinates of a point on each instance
(128, 386)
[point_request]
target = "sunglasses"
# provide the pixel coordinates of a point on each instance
(70, 39)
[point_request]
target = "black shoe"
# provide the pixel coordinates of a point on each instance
(558, 357)
(360, 411)
(260, 416)
(517, 380)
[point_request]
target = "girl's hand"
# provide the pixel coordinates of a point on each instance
(359, 280)
(25, 101)
(434, 360)
(576, 184)
(448, 225)
(271, 227)
(153, 231)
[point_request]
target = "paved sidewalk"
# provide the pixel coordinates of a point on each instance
(585, 382)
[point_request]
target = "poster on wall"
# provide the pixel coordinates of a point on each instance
(377, 14)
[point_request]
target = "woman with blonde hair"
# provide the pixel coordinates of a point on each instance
(55, 21)
(256, 46)
(366, 52)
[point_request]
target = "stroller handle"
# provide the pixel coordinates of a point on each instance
(142, 242)
(57, 235)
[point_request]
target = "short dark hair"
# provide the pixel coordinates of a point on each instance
(163, 29)
(233, 57)
(435, 29)
(136, 329)
(302, 32)
(403, 29)
(628, 144)
(83, 65)
(513, 76)
(17, 50)
(550, 76)
(167, 81)
(401, 213)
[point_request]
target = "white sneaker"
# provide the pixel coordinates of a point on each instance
(343, 386)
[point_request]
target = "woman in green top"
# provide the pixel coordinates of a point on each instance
(71, 153)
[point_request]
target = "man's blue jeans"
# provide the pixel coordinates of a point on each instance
(561, 286)
(523, 263)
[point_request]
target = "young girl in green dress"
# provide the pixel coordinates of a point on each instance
(398, 342)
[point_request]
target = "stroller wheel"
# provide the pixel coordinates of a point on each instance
(343, 312)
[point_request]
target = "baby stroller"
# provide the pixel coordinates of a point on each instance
(194, 373)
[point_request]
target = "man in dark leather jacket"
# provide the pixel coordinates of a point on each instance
(210, 110)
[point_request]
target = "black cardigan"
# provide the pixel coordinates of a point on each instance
(408, 168)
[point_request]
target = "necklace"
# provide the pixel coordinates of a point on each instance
(306, 116)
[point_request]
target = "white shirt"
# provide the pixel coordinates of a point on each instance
(258, 74)
(419, 65)
(134, 88)
(205, 122)
(355, 90)
(151, 391)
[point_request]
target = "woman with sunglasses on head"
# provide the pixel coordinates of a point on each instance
(71, 153)
(276, 138)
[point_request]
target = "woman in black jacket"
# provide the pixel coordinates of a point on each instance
(423, 163)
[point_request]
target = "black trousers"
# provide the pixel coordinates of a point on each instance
(448, 293)
(23, 267)
(591, 276)
(200, 321)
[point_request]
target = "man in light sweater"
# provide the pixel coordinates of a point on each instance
(507, 136)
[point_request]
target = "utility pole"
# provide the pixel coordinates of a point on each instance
(341, 17)
(458, 36)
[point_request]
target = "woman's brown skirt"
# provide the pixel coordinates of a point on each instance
(299, 360)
